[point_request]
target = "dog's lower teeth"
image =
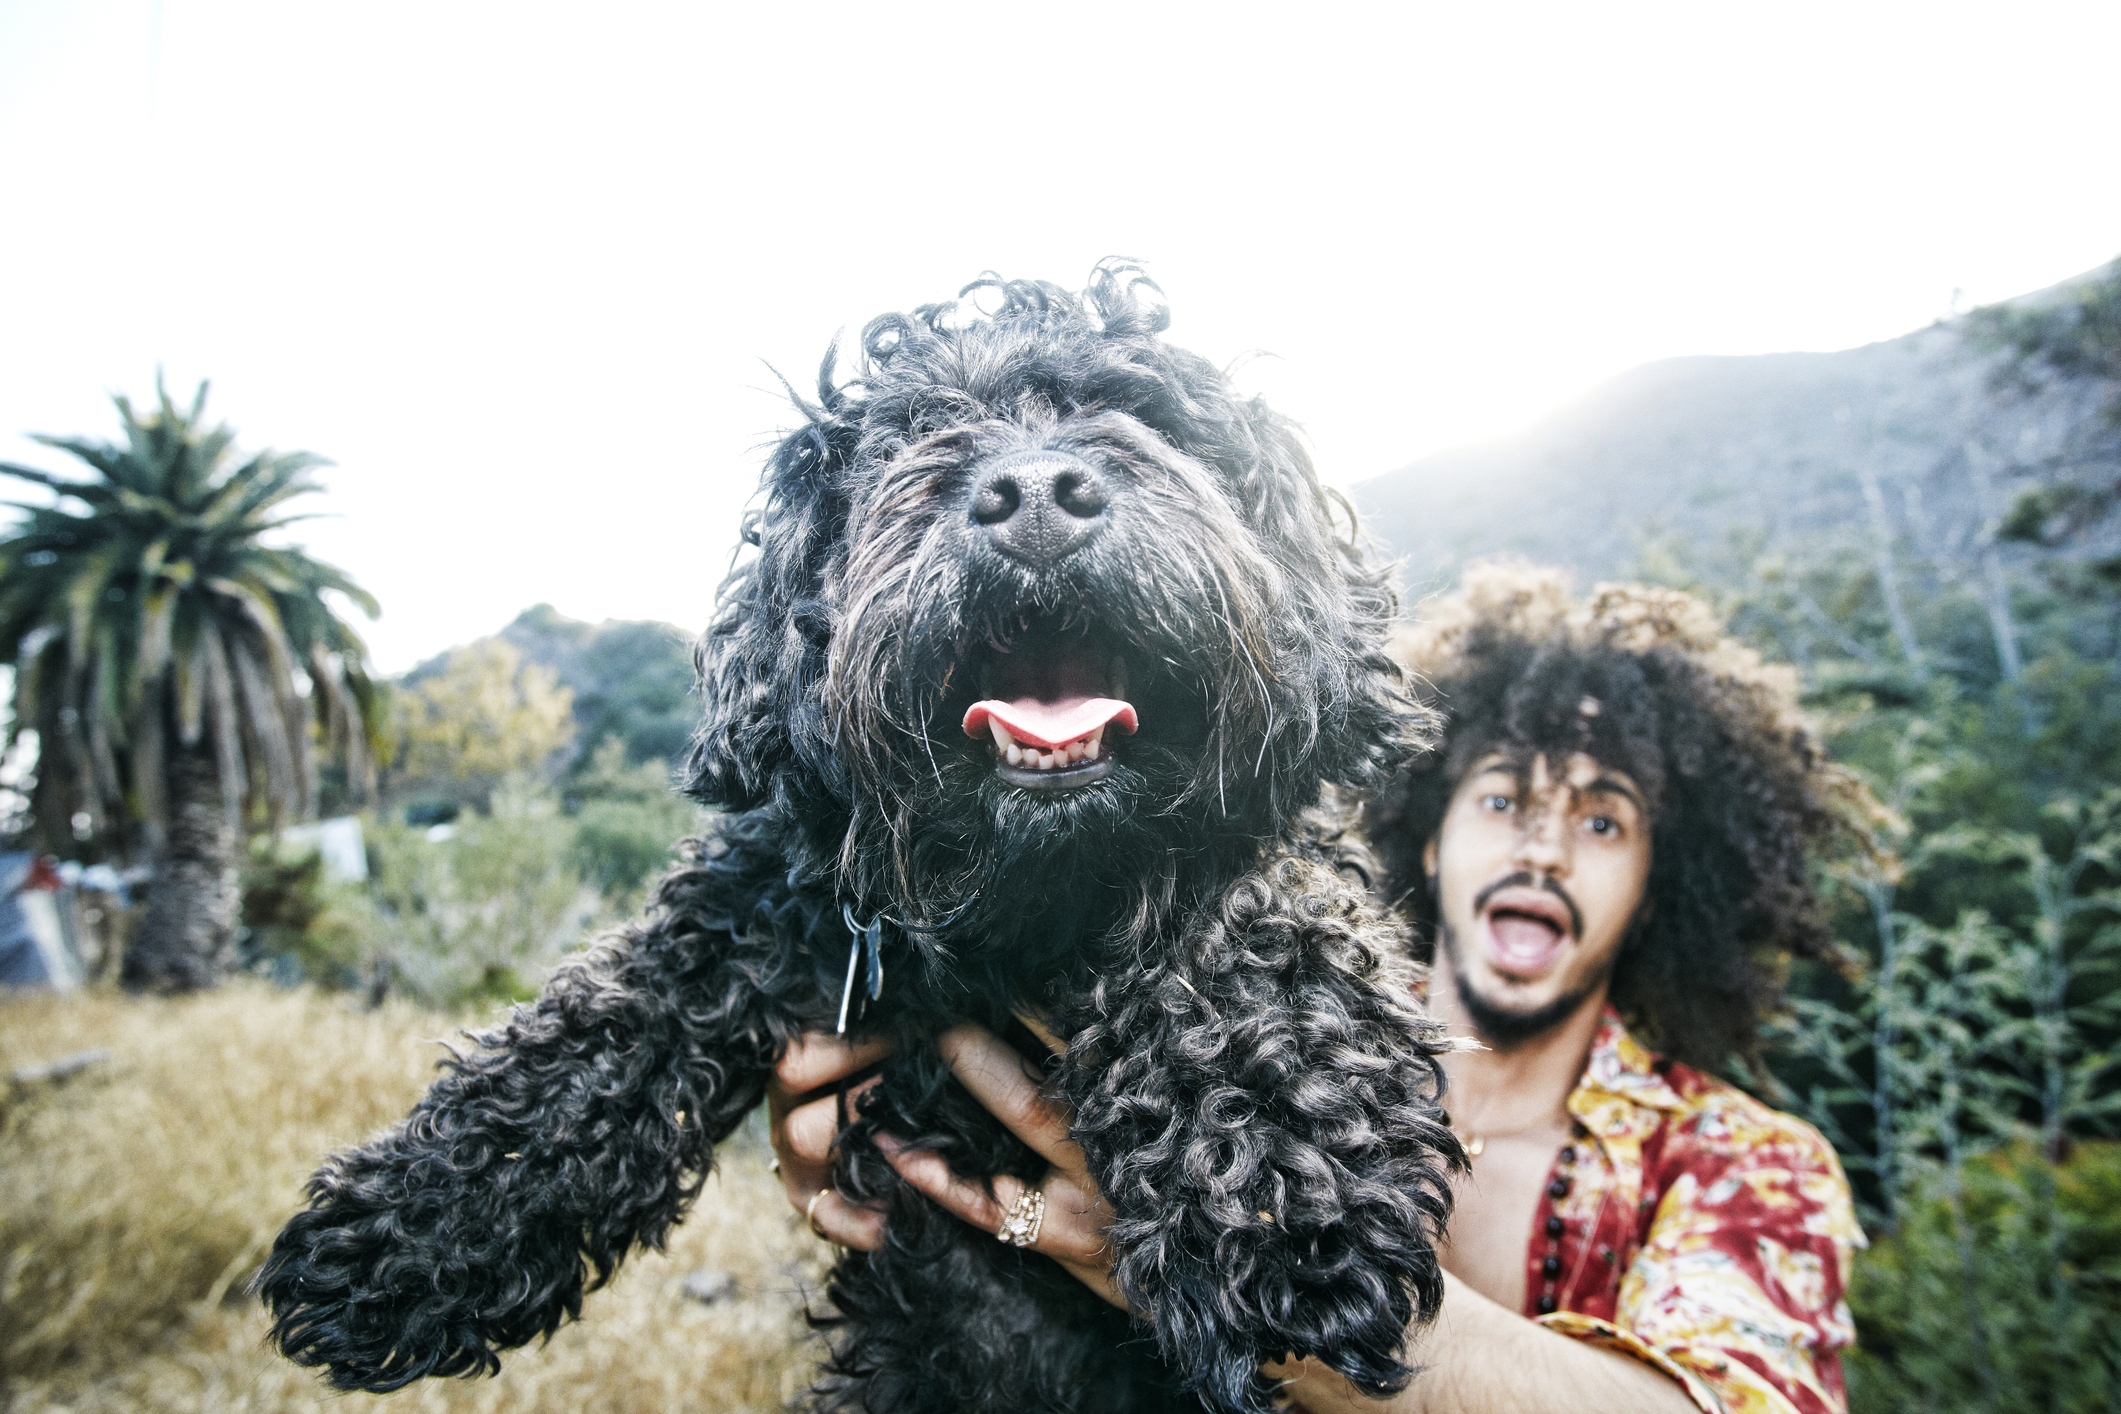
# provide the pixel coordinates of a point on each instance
(1049, 758)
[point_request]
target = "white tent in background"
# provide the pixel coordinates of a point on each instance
(337, 841)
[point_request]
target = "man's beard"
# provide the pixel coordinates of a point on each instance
(1507, 1030)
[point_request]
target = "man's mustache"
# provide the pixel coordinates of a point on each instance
(1524, 880)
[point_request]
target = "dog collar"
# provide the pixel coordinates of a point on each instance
(867, 937)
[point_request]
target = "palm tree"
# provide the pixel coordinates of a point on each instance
(171, 665)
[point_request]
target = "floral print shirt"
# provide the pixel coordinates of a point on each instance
(1688, 1225)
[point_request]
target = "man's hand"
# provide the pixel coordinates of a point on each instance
(1073, 1230)
(804, 1124)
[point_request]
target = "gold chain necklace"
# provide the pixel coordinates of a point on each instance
(1474, 1142)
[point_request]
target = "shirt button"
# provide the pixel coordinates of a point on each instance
(1547, 1304)
(1568, 1153)
(1554, 1226)
(1550, 1268)
(1559, 1188)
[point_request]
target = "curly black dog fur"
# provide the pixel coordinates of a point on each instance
(1049, 489)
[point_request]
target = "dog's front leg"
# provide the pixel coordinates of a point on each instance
(1261, 1111)
(582, 1126)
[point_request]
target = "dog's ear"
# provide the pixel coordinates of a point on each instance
(763, 653)
(1359, 723)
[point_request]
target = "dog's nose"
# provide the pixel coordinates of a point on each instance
(1040, 505)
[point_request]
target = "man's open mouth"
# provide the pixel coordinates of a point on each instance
(1525, 932)
(1052, 703)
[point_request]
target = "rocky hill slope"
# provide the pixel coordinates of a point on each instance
(1923, 442)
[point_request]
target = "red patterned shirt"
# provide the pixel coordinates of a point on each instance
(1688, 1225)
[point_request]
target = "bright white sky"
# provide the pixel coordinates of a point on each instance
(517, 268)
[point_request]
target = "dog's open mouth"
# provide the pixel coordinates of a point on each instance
(1053, 703)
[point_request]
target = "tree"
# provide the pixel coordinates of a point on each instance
(484, 716)
(632, 679)
(1968, 1072)
(171, 664)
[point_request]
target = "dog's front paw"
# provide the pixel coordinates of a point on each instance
(1261, 1112)
(405, 1266)
(1272, 1290)
(343, 1299)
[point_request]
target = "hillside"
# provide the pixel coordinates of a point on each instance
(1922, 437)
(632, 678)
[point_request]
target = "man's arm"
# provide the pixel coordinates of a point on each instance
(1478, 1358)
(1741, 1278)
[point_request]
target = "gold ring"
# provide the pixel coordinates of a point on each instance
(810, 1213)
(1026, 1215)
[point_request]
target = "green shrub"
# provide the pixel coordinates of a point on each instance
(627, 819)
(2001, 1291)
(298, 925)
(479, 910)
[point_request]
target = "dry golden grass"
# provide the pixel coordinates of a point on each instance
(137, 1197)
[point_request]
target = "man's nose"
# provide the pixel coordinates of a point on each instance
(1543, 843)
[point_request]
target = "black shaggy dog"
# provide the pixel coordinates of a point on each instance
(1049, 643)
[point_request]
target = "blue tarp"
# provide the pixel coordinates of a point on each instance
(22, 962)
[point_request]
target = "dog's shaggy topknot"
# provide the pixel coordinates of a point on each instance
(1253, 1086)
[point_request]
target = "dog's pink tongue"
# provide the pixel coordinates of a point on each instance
(1036, 722)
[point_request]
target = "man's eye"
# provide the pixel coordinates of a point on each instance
(1496, 802)
(1604, 825)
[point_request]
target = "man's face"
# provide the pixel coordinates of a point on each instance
(1539, 874)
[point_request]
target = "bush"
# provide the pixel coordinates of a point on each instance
(477, 907)
(627, 821)
(2000, 1292)
(298, 925)
(483, 908)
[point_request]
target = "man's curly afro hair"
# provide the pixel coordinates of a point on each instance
(1742, 800)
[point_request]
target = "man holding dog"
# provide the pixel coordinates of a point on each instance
(1618, 821)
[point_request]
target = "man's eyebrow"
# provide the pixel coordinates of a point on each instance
(1497, 761)
(1610, 785)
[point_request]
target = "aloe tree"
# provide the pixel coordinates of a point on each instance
(172, 664)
